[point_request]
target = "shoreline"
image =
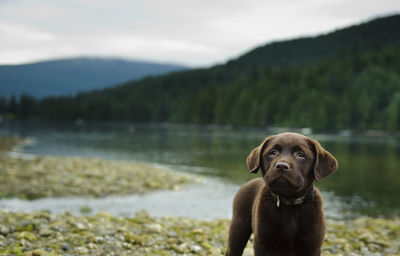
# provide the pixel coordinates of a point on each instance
(33, 177)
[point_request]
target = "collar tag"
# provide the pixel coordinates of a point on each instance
(306, 198)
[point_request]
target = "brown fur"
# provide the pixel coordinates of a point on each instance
(290, 163)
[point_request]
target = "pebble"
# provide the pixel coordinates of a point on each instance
(4, 230)
(39, 252)
(26, 235)
(195, 248)
(45, 232)
(248, 252)
(154, 228)
(91, 246)
(99, 239)
(80, 226)
(65, 247)
(82, 250)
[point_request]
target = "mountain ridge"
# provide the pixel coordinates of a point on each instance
(58, 77)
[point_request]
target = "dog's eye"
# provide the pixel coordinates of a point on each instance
(273, 152)
(300, 154)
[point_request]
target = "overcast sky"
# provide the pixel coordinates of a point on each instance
(190, 32)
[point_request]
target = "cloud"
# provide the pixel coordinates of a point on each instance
(188, 32)
(16, 33)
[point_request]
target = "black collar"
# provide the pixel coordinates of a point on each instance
(309, 197)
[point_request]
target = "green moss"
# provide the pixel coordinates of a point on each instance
(85, 209)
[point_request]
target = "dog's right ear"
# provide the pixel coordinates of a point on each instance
(254, 158)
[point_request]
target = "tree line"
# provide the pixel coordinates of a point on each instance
(356, 87)
(360, 91)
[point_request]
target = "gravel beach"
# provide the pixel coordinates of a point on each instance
(43, 233)
(36, 177)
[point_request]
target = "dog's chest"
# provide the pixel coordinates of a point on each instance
(289, 225)
(284, 222)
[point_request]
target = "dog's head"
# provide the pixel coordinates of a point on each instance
(290, 162)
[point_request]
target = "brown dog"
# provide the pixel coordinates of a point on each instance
(282, 209)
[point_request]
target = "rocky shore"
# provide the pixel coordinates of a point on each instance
(43, 233)
(44, 176)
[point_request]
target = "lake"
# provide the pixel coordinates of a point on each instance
(366, 183)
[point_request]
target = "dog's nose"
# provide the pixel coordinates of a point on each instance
(282, 166)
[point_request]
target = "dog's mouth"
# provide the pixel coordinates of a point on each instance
(283, 185)
(280, 181)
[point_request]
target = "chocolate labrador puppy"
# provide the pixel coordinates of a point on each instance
(283, 208)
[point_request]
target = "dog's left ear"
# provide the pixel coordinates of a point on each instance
(325, 163)
(254, 158)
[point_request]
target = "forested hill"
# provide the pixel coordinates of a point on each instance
(349, 78)
(361, 38)
(69, 76)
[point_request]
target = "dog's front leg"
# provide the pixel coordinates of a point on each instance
(239, 233)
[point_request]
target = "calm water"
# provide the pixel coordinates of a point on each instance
(367, 182)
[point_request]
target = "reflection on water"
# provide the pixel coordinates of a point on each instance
(368, 179)
(209, 200)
